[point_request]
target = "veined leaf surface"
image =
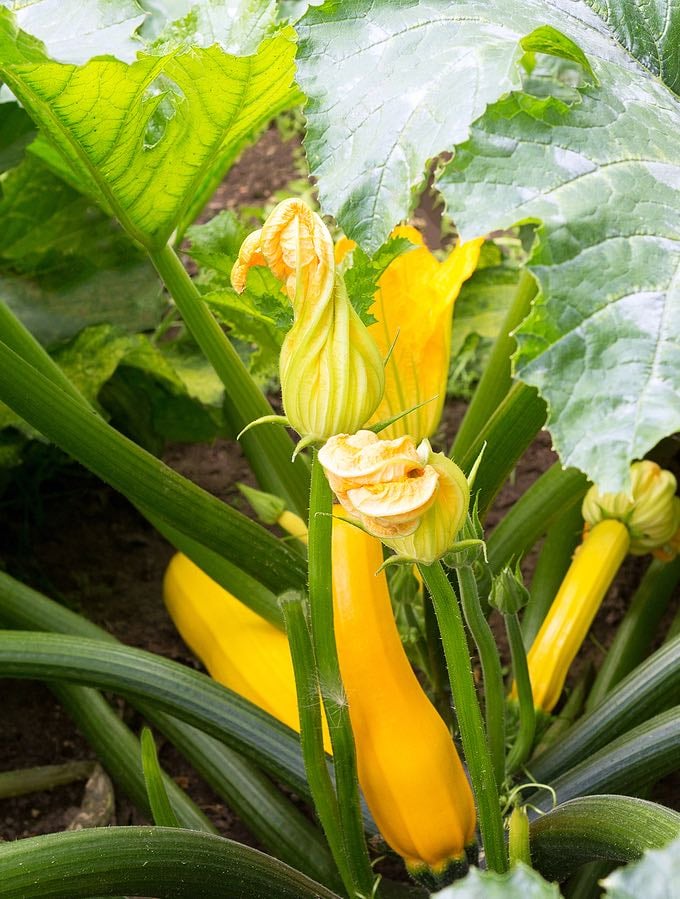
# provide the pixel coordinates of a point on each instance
(393, 84)
(143, 139)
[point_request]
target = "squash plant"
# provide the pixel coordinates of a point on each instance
(564, 117)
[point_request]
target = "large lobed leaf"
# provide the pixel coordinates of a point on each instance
(145, 139)
(601, 174)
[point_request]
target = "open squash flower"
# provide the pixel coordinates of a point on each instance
(414, 311)
(414, 500)
(331, 370)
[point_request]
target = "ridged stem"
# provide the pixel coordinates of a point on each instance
(475, 746)
(269, 448)
(148, 861)
(497, 379)
(524, 740)
(142, 478)
(43, 777)
(311, 732)
(494, 698)
(518, 837)
(330, 681)
(619, 828)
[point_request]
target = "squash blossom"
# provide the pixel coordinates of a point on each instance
(413, 499)
(414, 311)
(616, 523)
(331, 370)
(650, 512)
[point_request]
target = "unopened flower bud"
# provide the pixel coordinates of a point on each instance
(508, 593)
(414, 500)
(331, 370)
(650, 511)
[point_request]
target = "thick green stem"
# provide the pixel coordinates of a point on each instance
(475, 746)
(556, 492)
(247, 589)
(437, 661)
(268, 814)
(497, 378)
(142, 478)
(619, 828)
(637, 629)
(311, 732)
(330, 681)
(492, 674)
(269, 448)
(44, 777)
(507, 434)
(553, 563)
(524, 740)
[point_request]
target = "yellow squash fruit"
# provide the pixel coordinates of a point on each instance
(585, 584)
(409, 769)
(239, 649)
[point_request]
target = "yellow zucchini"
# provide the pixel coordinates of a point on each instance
(239, 649)
(585, 584)
(409, 770)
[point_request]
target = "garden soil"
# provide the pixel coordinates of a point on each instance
(84, 545)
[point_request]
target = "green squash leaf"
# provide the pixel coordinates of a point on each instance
(64, 264)
(238, 28)
(650, 31)
(16, 132)
(600, 168)
(519, 883)
(146, 139)
(601, 343)
(655, 876)
(393, 84)
(363, 276)
(74, 32)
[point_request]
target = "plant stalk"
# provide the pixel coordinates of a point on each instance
(475, 746)
(552, 565)
(311, 732)
(269, 448)
(524, 740)
(330, 681)
(494, 694)
(497, 378)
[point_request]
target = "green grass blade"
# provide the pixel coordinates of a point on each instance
(147, 861)
(161, 810)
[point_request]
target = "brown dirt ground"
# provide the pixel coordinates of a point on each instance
(85, 546)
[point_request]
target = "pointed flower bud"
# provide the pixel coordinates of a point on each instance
(414, 500)
(330, 368)
(650, 512)
(508, 593)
